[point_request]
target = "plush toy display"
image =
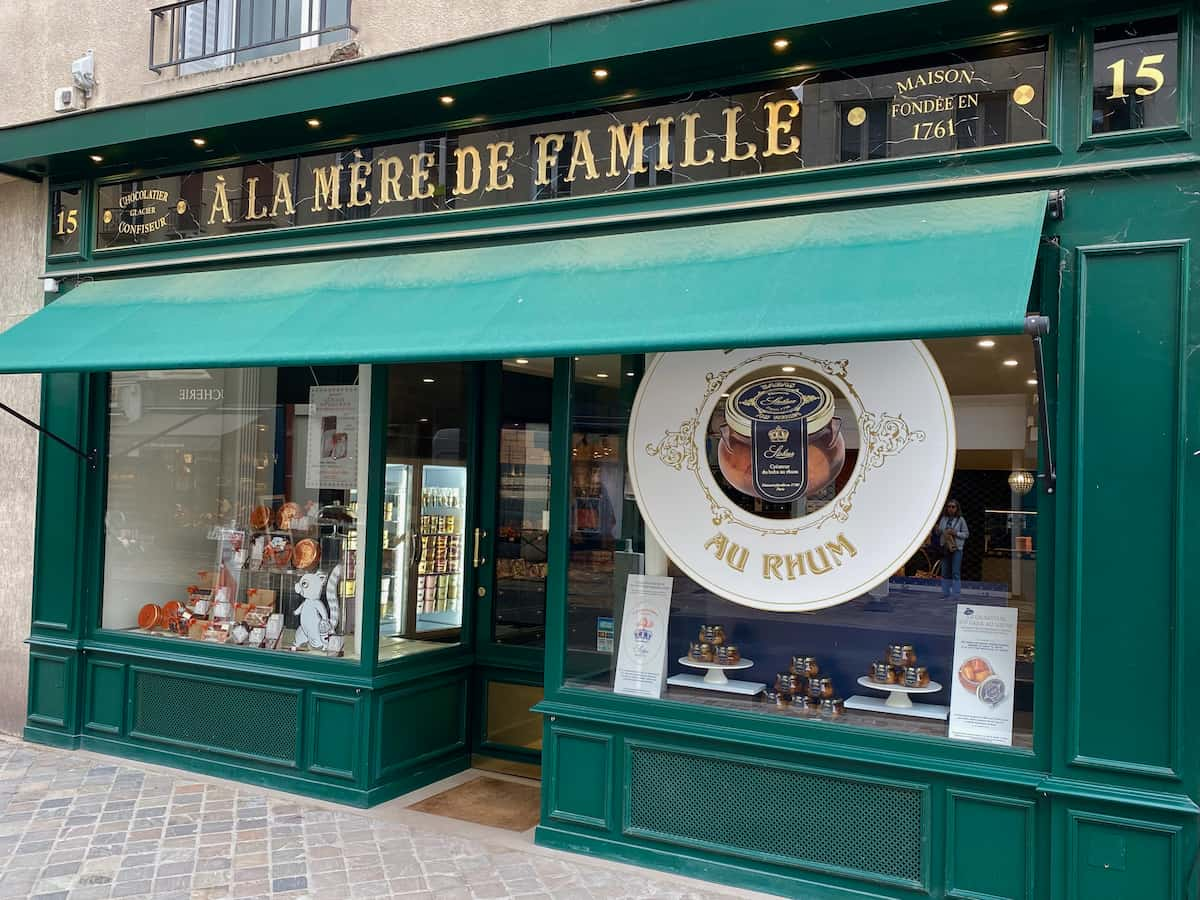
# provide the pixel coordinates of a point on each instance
(315, 625)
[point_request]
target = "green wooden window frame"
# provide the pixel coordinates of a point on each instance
(85, 189)
(1182, 128)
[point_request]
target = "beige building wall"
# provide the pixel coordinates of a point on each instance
(39, 41)
(22, 249)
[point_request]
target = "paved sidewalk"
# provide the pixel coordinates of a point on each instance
(78, 825)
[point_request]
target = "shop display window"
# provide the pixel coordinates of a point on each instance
(234, 501)
(889, 657)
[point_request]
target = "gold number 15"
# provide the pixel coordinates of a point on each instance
(68, 222)
(1146, 69)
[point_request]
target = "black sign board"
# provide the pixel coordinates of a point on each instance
(983, 96)
(1135, 75)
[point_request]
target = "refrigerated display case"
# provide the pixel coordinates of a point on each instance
(421, 587)
(438, 585)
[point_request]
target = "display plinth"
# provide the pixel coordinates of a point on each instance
(898, 702)
(714, 678)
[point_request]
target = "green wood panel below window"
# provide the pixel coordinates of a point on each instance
(982, 829)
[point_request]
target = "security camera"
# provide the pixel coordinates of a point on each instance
(83, 73)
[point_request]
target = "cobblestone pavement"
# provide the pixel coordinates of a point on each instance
(76, 825)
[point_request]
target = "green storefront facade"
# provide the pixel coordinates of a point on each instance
(893, 171)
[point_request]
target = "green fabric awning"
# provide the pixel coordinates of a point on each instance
(936, 269)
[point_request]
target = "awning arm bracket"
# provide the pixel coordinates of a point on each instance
(1036, 327)
(91, 456)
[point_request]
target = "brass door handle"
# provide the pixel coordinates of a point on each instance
(476, 559)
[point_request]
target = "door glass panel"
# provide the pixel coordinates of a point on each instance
(523, 502)
(422, 589)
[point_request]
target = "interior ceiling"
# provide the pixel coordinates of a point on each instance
(971, 369)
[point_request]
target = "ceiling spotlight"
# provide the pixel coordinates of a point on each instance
(631, 374)
(199, 142)
(422, 420)
(313, 123)
(987, 344)
(446, 100)
(781, 44)
(521, 361)
(999, 8)
(789, 369)
(1032, 382)
(601, 374)
(1011, 362)
(599, 74)
(96, 158)
(430, 380)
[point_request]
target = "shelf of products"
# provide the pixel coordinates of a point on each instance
(282, 579)
(439, 558)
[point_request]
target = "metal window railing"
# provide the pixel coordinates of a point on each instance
(207, 34)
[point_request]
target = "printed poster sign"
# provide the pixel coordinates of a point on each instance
(985, 661)
(332, 438)
(642, 652)
(792, 478)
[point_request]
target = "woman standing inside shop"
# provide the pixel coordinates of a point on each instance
(952, 534)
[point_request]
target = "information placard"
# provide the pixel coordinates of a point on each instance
(332, 461)
(985, 660)
(642, 652)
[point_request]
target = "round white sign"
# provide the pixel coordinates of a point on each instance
(792, 478)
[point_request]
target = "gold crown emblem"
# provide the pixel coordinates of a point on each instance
(778, 434)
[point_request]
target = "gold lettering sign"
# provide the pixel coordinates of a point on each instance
(923, 112)
(810, 119)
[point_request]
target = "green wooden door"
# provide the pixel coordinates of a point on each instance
(513, 543)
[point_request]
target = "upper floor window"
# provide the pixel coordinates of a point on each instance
(199, 35)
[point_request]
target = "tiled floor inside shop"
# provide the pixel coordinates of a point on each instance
(75, 824)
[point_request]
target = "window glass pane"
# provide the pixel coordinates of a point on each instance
(269, 23)
(993, 563)
(233, 500)
(606, 531)
(1135, 75)
(523, 502)
(424, 510)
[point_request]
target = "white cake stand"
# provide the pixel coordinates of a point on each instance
(898, 702)
(714, 678)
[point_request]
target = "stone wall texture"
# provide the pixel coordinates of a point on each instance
(41, 39)
(22, 250)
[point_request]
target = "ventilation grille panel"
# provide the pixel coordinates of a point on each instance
(784, 815)
(216, 716)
